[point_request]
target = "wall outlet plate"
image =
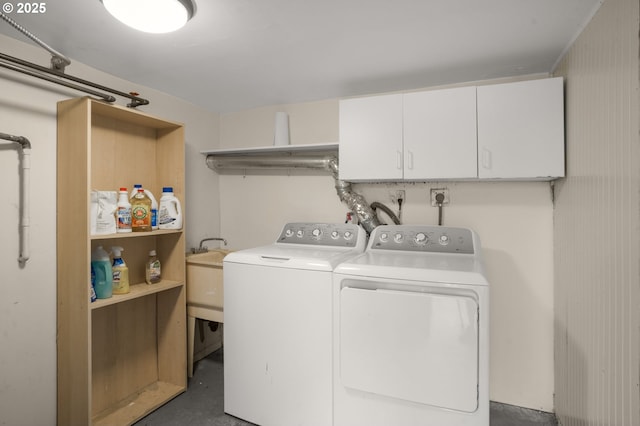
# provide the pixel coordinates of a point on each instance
(434, 194)
(396, 195)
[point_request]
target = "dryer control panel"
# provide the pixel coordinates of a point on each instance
(422, 238)
(323, 234)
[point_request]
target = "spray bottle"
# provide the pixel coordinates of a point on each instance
(120, 272)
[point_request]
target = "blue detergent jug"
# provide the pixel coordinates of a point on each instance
(101, 267)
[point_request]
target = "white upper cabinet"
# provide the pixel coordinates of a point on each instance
(371, 138)
(502, 131)
(416, 136)
(440, 134)
(521, 130)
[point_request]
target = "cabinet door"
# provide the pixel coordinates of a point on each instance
(521, 130)
(371, 138)
(440, 134)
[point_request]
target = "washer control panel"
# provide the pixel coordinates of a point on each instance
(422, 238)
(322, 234)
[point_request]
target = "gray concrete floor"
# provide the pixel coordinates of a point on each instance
(202, 404)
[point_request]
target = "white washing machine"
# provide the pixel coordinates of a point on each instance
(411, 337)
(278, 324)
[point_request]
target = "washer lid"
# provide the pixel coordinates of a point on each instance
(307, 245)
(315, 258)
(433, 267)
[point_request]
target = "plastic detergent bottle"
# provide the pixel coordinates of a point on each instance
(140, 212)
(170, 212)
(123, 212)
(92, 290)
(154, 204)
(102, 273)
(152, 274)
(120, 272)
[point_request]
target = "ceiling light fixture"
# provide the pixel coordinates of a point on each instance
(152, 16)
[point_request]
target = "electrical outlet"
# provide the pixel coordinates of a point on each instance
(396, 195)
(434, 194)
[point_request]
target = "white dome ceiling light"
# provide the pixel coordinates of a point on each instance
(152, 16)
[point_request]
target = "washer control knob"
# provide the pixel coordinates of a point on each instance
(384, 237)
(300, 233)
(348, 235)
(444, 239)
(288, 233)
(335, 235)
(316, 233)
(398, 238)
(421, 238)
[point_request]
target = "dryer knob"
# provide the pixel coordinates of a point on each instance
(300, 233)
(316, 233)
(421, 238)
(288, 233)
(348, 235)
(384, 237)
(335, 235)
(398, 238)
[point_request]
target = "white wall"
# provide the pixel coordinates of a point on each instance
(514, 221)
(597, 223)
(28, 302)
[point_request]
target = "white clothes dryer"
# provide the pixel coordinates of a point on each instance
(278, 324)
(411, 330)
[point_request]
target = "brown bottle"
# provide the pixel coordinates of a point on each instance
(140, 212)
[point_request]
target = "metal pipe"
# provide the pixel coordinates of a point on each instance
(212, 239)
(24, 219)
(107, 98)
(240, 162)
(58, 61)
(26, 67)
(356, 202)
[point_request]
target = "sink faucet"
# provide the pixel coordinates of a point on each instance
(202, 249)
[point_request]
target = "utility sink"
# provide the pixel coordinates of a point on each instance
(204, 280)
(205, 294)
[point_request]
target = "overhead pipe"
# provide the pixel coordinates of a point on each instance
(107, 98)
(24, 219)
(57, 77)
(356, 202)
(58, 60)
(56, 74)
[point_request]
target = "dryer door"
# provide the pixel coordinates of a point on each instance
(410, 345)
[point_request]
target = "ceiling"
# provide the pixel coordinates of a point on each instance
(240, 54)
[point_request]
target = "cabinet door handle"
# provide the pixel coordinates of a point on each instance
(410, 159)
(486, 158)
(399, 160)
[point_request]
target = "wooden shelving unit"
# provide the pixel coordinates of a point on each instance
(118, 358)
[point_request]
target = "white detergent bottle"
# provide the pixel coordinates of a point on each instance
(170, 212)
(123, 212)
(154, 204)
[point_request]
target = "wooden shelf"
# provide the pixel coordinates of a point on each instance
(120, 358)
(135, 291)
(135, 234)
(273, 150)
(138, 405)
